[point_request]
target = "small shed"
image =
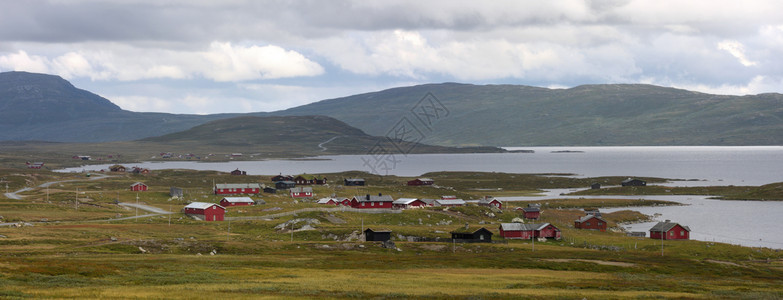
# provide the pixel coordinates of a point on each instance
(592, 222)
(353, 182)
(633, 182)
(238, 172)
(270, 190)
(377, 235)
(138, 187)
(531, 212)
(468, 234)
(595, 186)
(669, 230)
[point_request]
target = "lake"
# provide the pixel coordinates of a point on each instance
(709, 165)
(749, 223)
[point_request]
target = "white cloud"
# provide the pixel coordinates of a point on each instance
(220, 62)
(21, 61)
(225, 62)
(737, 50)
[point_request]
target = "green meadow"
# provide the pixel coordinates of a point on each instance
(72, 240)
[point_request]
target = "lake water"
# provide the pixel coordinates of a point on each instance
(749, 223)
(710, 165)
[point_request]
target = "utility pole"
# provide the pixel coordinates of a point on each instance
(76, 201)
(170, 215)
(662, 232)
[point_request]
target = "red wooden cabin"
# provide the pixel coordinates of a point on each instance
(421, 181)
(669, 231)
(138, 187)
(592, 222)
(209, 211)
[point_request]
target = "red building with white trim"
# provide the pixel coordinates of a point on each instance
(237, 188)
(404, 203)
(209, 211)
(528, 231)
(670, 231)
(301, 192)
(491, 202)
(236, 201)
(138, 187)
(371, 201)
(592, 222)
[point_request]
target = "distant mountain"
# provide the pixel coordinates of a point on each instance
(296, 135)
(48, 108)
(514, 115)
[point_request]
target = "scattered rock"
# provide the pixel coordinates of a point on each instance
(142, 250)
(361, 246)
(213, 252)
(113, 239)
(198, 254)
(389, 244)
(518, 220)
(3, 237)
(272, 209)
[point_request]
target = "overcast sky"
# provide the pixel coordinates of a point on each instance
(198, 56)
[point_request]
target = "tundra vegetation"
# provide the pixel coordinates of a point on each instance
(72, 240)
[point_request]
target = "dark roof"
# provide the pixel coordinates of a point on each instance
(471, 229)
(378, 231)
(666, 226)
(374, 198)
(531, 209)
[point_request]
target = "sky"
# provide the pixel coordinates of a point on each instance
(204, 57)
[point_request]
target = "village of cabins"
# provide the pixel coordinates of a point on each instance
(298, 188)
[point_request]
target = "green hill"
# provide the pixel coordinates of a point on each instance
(48, 108)
(513, 115)
(293, 135)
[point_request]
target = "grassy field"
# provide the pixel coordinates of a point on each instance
(86, 252)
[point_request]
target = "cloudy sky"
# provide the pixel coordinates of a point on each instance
(200, 56)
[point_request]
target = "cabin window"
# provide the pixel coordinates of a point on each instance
(587, 223)
(599, 223)
(671, 233)
(481, 237)
(682, 233)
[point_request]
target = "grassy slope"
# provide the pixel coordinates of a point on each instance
(79, 259)
(505, 115)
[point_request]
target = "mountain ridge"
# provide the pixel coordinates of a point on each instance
(49, 108)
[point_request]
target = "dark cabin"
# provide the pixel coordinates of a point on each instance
(282, 185)
(238, 172)
(471, 235)
(270, 190)
(595, 186)
(282, 178)
(377, 236)
(353, 182)
(633, 182)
